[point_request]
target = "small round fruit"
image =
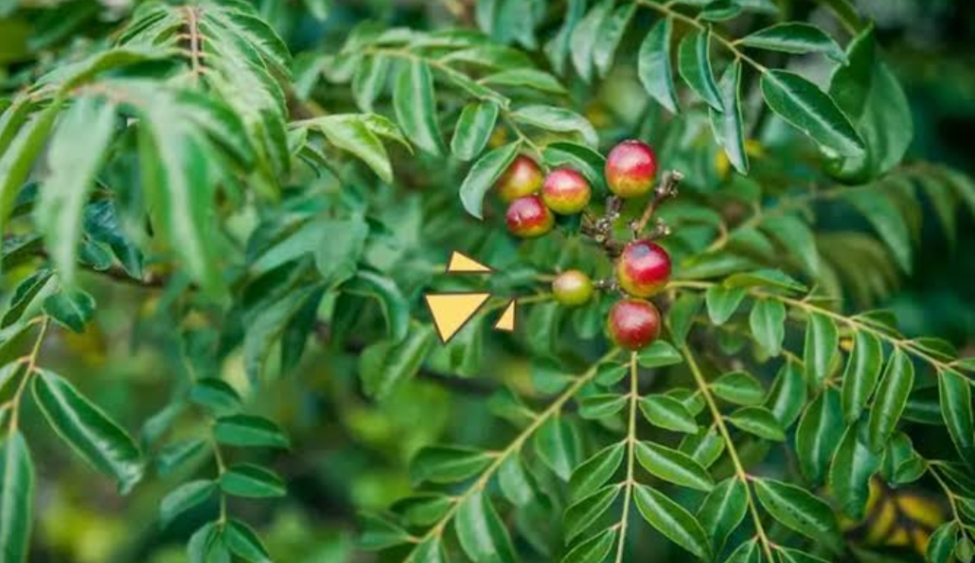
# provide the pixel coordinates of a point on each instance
(572, 288)
(643, 268)
(523, 177)
(529, 218)
(630, 169)
(633, 323)
(566, 191)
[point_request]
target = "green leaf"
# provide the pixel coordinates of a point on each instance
(386, 364)
(694, 66)
(72, 308)
(526, 78)
(788, 395)
(729, 130)
(758, 421)
(849, 475)
(77, 150)
(17, 157)
(609, 35)
(584, 512)
(941, 545)
(205, 545)
(767, 321)
(414, 102)
(216, 395)
(252, 481)
(88, 430)
(23, 296)
(369, 80)
(448, 464)
(557, 445)
(820, 430)
(803, 105)
(350, 133)
(869, 93)
(653, 65)
(672, 520)
(585, 37)
(394, 305)
(483, 175)
(882, 213)
(705, 447)
(955, 395)
(481, 533)
(474, 129)
(797, 509)
(673, 466)
(795, 37)
(16, 497)
(183, 498)
(601, 406)
(822, 339)
(429, 551)
(722, 302)
(740, 388)
(557, 119)
(244, 543)
(174, 455)
(747, 552)
(723, 510)
(659, 354)
(379, 532)
(594, 549)
(249, 431)
(681, 316)
(891, 399)
(862, 372)
(515, 481)
(668, 413)
(795, 237)
(765, 278)
(596, 471)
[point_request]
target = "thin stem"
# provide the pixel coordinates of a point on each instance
(31, 361)
(808, 308)
(740, 473)
(630, 457)
(952, 499)
(724, 41)
(515, 446)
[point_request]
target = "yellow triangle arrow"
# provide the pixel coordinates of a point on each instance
(461, 263)
(507, 320)
(452, 310)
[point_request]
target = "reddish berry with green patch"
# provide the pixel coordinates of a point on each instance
(630, 169)
(633, 324)
(643, 268)
(523, 177)
(528, 217)
(566, 191)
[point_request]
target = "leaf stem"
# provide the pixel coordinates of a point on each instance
(515, 446)
(31, 361)
(740, 473)
(630, 457)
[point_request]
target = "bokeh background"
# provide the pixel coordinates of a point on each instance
(348, 453)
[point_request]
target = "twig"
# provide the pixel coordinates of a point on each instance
(665, 190)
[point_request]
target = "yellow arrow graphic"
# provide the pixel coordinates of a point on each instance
(451, 311)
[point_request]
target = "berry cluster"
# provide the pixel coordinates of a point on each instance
(642, 267)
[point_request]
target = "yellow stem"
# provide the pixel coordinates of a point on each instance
(31, 367)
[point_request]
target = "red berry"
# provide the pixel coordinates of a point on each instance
(572, 288)
(643, 268)
(528, 217)
(630, 169)
(633, 323)
(523, 177)
(566, 191)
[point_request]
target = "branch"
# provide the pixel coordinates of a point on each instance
(630, 457)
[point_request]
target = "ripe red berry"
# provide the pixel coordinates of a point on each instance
(572, 288)
(523, 177)
(528, 217)
(630, 169)
(643, 268)
(566, 191)
(633, 323)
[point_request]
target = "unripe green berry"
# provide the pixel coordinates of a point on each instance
(572, 288)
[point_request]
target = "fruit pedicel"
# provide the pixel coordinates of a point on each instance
(641, 267)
